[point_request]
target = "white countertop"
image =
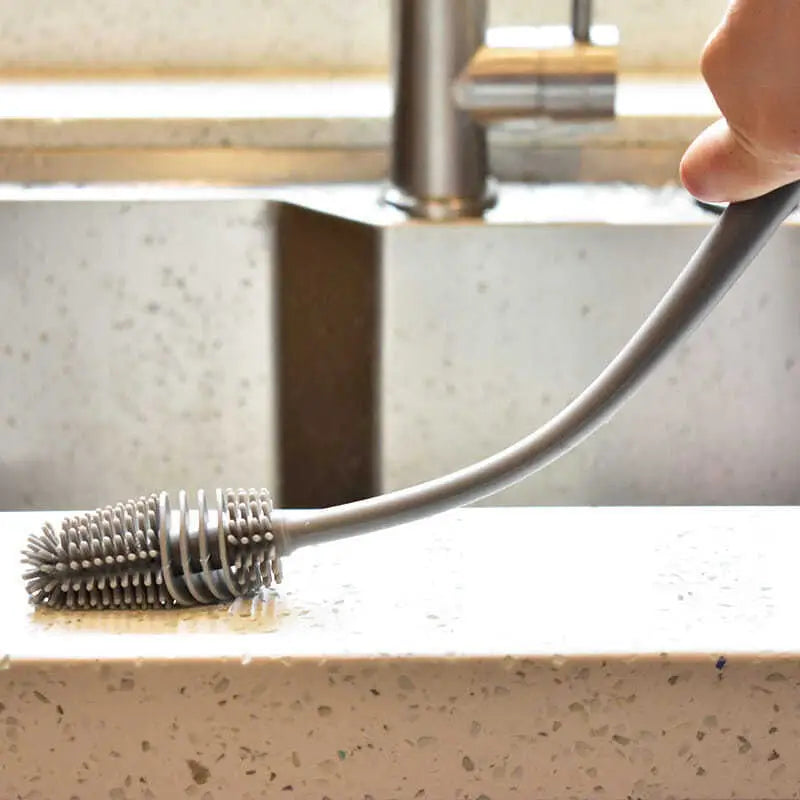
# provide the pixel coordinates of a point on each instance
(692, 582)
(648, 653)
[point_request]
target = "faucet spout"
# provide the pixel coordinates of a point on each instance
(532, 72)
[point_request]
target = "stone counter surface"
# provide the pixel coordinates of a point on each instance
(488, 653)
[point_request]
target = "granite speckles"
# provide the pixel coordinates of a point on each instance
(200, 773)
(529, 690)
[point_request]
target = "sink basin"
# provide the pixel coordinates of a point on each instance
(136, 349)
(482, 331)
(134, 352)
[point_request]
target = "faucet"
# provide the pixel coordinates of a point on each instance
(453, 78)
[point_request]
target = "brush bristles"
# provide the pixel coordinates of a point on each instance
(136, 555)
(102, 560)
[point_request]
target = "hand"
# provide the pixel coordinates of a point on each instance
(752, 66)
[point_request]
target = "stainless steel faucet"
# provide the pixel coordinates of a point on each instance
(453, 77)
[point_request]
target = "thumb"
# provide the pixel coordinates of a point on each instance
(718, 168)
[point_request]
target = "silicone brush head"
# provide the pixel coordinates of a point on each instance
(141, 554)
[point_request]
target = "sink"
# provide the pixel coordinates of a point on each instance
(134, 348)
(136, 352)
(482, 331)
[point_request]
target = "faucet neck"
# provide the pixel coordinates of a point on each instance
(439, 166)
(452, 78)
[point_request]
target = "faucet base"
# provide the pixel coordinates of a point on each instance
(441, 209)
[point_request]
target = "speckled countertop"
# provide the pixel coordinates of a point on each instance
(700, 582)
(553, 653)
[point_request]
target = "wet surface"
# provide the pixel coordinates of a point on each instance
(479, 582)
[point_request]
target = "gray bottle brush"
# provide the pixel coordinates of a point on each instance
(143, 554)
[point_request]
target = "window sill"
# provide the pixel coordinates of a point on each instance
(238, 131)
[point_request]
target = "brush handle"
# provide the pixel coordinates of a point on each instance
(731, 245)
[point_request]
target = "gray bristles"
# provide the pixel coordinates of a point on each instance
(112, 558)
(108, 559)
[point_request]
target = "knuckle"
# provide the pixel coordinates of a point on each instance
(712, 58)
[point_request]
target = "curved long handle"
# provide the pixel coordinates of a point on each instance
(734, 241)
